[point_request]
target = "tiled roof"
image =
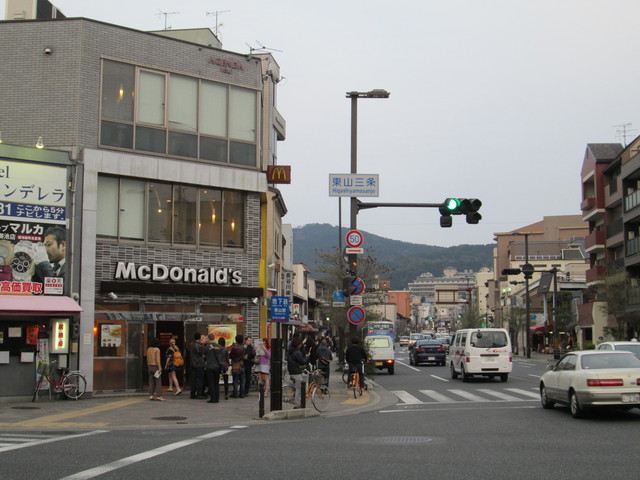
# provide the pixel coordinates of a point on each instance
(605, 151)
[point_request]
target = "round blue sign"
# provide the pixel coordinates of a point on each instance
(338, 296)
(356, 315)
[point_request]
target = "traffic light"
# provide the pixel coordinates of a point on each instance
(460, 206)
(347, 285)
(470, 207)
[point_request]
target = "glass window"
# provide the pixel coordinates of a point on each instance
(210, 217)
(131, 209)
(183, 103)
(117, 91)
(213, 109)
(183, 145)
(184, 214)
(151, 98)
(242, 154)
(151, 139)
(233, 230)
(242, 114)
(159, 212)
(116, 134)
(107, 214)
(213, 149)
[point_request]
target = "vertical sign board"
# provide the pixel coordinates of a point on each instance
(33, 198)
(279, 310)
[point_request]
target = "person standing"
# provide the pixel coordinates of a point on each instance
(213, 365)
(296, 362)
(196, 358)
(171, 367)
(154, 368)
(225, 367)
(263, 367)
(324, 357)
(250, 354)
(236, 355)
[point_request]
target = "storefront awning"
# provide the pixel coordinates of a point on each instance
(40, 305)
(540, 328)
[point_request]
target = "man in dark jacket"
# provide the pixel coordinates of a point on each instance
(196, 359)
(213, 365)
(250, 354)
(296, 362)
(236, 355)
(356, 356)
(324, 356)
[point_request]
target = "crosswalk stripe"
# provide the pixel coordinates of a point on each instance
(406, 397)
(524, 392)
(469, 395)
(499, 394)
(438, 397)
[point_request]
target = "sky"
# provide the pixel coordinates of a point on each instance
(490, 99)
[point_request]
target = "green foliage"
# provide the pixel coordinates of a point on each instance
(406, 261)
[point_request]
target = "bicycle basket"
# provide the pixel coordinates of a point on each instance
(317, 376)
(44, 368)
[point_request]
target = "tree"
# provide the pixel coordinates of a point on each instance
(615, 291)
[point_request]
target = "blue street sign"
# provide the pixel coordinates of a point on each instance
(356, 315)
(338, 296)
(279, 311)
(358, 285)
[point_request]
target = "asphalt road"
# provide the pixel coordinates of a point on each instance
(437, 428)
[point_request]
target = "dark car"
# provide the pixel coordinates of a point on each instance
(428, 351)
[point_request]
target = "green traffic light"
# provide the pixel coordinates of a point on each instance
(452, 204)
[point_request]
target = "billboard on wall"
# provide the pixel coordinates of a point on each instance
(33, 217)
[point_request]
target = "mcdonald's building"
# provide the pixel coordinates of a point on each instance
(168, 139)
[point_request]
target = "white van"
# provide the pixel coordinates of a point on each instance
(381, 351)
(481, 351)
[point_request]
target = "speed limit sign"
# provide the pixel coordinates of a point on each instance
(354, 238)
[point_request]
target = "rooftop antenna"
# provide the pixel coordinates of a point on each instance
(261, 48)
(622, 131)
(161, 13)
(216, 29)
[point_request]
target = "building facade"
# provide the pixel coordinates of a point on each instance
(169, 140)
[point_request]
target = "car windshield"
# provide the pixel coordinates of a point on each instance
(416, 336)
(489, 339)
(609, 360)
(630, 348)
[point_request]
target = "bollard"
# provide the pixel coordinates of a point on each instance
(261, 400)
(303, 394)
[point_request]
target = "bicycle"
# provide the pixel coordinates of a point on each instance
(72, 383)
(346, 378)
(317, 391)
(354, 382)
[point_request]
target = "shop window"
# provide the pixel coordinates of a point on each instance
(233, 227)
(213, 109)
(151, 139)
(210, 223)
(116, 135)
(184, 214)
(151, 98)
(183, 103)
(160, 215)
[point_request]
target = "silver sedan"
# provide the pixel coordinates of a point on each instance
(591, 378)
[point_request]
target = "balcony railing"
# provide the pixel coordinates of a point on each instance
(596, 273)
(595, 238)
(588, 204)
(632, 246)
(632, 201)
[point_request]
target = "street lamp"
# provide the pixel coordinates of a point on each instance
(376, 93)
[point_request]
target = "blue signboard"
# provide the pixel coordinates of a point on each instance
(279, 311)
(338, 296)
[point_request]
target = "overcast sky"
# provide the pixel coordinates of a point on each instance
(490, 99)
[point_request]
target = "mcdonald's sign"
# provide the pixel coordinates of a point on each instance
(279, 174)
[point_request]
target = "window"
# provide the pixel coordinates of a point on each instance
(177, 115)
(175, 214)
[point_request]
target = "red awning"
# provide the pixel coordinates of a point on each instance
(42, 305)
(539, 328)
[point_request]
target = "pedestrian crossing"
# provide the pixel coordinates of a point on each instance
(478, 395)
(15, 441)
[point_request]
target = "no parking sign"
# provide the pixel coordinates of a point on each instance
(356, 315)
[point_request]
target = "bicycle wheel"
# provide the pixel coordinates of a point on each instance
(345, 376)
(289, 394)
(321, 398)
(74, 385)
(355, 384)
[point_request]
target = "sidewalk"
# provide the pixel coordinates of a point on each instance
(136, 411)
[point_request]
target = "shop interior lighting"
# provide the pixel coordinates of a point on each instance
(39, 143)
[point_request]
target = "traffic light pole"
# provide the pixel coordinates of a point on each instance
(353, 258)
(526, 296)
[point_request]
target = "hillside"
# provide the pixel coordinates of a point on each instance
(405, 260)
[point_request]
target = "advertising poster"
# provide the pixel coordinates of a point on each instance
(228, 332)
(110, 335)
(32, 226)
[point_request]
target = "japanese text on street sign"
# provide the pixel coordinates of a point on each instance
(353, 185)
(279, 309)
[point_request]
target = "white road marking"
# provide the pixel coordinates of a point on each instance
(94, 472)
(406, 397)
(469, 395)
(42, 441)
(440, 378)
(525, 393)
(408, 366)
(438, 397)
(498, 394)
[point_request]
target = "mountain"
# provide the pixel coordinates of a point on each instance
(406, 261)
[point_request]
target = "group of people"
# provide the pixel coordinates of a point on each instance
(209, 360)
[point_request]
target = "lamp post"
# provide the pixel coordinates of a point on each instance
(376, 93)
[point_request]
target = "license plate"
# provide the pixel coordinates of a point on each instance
(631, 398)
(431, 358)
(378, 364)
(490, 359)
